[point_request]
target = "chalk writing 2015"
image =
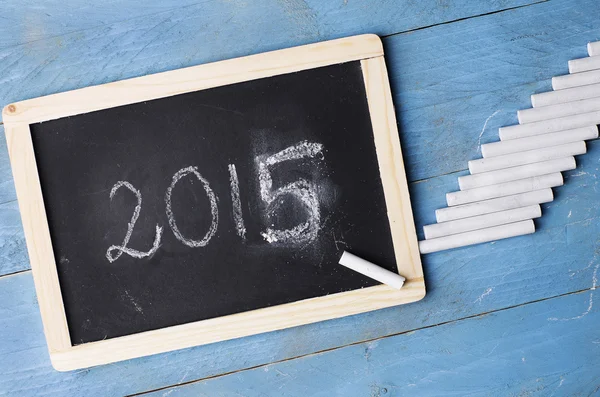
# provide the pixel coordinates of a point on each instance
(136, 213)
(302, 190)
(213, 208)
(237, 204)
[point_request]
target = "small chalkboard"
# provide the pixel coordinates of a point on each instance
(213, 202)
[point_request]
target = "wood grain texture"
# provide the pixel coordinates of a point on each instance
(18, 116)
(461, 283)
(7, 189)
(37, 233)
(28, 22)
(13, 253)
(456, 84)
(391, 168)
(195, 78)
(453, 85)
(440, 78)
(501, 354)
(234, 326)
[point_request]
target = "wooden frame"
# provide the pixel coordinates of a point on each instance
(18, 116)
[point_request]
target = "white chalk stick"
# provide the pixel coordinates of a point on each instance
(494, 205)
(527, 157)
(584, 64)
(504, 189)
(538, 141)
(561, 110)
(514, 173)
(593, 48)
(564, 96)
(547, 126)
(477, 236)
(371, 270)
(437, 230)
(575, 80)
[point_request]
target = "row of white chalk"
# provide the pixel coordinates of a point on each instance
(502, 195)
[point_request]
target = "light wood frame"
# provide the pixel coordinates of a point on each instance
(18, 116)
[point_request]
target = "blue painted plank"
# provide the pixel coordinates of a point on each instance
(448, 80)
(549, 348)
(456, 84)
(7, 189)
(461, 282)
(436, 139)
(27, 22)
(489, 54)
(13, 251)
(561, 257)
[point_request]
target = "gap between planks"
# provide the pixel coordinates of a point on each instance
(199, 3)
(409, 182)
(349, 344)
(382, 37)
(592, 288)
(415, 181)
(9, 201)
(14, 273)
(463, 19)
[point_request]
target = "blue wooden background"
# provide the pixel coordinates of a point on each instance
(513, 318)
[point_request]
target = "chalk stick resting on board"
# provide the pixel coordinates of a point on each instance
(593, 48)
(477, 236)
(528, 157)
(538, 141)
(547, 126)
(575, 80)
(494, 205)
(437, 230)
(584, 64)
(371, 270)
(564, 96)
(514, 173)
(504, 189)
(560, 110)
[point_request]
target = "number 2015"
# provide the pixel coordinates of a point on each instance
(304, 191)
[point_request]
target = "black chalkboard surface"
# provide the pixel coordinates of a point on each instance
(328, 178)
(212, 202)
